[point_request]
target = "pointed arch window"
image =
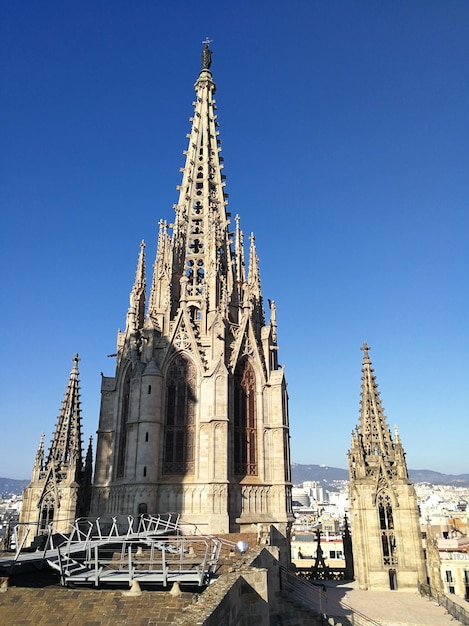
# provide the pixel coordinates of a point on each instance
(125, 411)
(46, 515)
(386, 525)
(245, 437)
(180, 417)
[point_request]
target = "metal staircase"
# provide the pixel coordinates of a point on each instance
(66, 566)
(118, 550)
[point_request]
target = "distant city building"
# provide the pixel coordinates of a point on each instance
(386, 537)
(300, 497)
(454, 565)
(316, 491)
(59, 490)
(304, 547)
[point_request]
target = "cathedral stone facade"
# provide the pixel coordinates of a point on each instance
(195, 419)
(386, 537)
(59, 490)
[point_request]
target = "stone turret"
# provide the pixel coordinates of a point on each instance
(59, 490)
(386, 538)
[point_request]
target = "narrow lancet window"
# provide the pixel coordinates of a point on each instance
(245, 439)
(180, 417)
(47, 513)
(386, 524)
(125, 410)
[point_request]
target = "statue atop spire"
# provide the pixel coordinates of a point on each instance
(206, 54)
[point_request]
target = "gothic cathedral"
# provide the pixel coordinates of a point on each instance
(387, 545)
(195, 419)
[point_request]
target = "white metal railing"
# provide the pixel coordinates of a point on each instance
(316, 600)
(145, 543)
(144, 546)
(109, 528)
(154, 558)
(455, 610)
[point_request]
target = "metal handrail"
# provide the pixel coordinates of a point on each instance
(455, 610)
(316, 600)
(167, 554)
(19, 544)
(97, 529)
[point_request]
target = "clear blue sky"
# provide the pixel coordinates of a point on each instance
(344, 128)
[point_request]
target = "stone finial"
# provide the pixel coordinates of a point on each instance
(175, 590)
(134, 589)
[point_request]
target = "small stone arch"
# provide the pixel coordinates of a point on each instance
(46, 512)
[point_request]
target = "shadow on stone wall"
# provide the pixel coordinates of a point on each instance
(249, 590)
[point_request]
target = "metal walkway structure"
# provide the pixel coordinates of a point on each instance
(119, 550)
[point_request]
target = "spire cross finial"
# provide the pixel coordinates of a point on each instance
(365, 347)
(76, 358)
(207, 42)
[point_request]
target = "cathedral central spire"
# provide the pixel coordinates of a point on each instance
(201, 259)
(195, 419)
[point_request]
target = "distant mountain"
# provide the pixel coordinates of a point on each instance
(319, 473)
(436, 478)
(10, 486)
(300, 473)
(326, 475)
